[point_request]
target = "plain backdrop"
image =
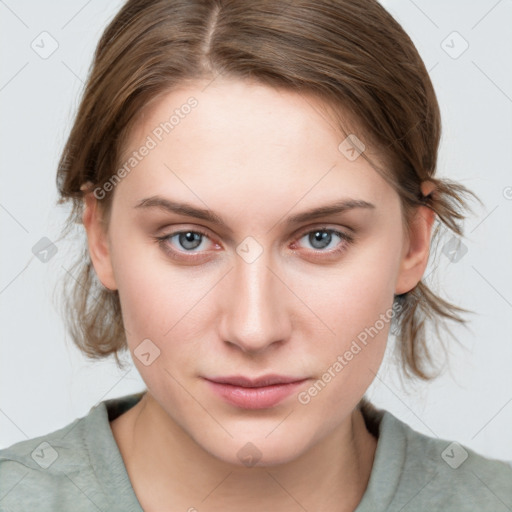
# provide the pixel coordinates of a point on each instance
(45, 383)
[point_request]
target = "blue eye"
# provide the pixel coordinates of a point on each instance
(187, 241)
(322, 238)
(187, 244)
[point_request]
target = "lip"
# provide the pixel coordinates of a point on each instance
(258, 393)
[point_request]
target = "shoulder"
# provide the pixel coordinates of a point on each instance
(428, 473)
(457, 474)
(43, 468)
(77, 467)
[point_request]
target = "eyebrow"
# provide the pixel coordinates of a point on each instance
(189, 210)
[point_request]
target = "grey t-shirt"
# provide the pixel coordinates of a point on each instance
(79, 468)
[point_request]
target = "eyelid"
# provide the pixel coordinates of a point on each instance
(171, 230)
(325, 227)
(346, 239)
(297, 234)
(199, 231)
(191, 256)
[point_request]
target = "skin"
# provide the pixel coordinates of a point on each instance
(254, 155)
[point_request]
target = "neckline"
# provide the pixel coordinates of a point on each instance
(113, 477)
(111, 474)
(388, 463)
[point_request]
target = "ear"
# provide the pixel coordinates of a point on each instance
(417, 247)
(97, 241)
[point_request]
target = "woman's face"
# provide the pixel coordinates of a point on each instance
(257, 287)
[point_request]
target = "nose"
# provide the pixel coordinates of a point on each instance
(255, 313)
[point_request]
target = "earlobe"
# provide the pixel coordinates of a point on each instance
(416, 251)
(97, 241)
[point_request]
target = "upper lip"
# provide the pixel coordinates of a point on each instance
(264, 380)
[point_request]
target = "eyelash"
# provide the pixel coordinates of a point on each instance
(162, 241)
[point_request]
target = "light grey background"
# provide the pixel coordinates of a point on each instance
(44, 381)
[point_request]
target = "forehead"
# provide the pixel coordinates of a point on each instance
(237, 134)
(249, 113)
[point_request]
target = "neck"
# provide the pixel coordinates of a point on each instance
(170, 471)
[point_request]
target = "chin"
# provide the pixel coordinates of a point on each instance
(254, 450)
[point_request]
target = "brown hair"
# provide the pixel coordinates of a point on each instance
(351, 54)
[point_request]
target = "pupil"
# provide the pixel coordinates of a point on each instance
(190, 240)
(320, 236)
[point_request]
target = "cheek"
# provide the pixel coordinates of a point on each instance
(160, 302)
(352, 296)
(356, 303)
(164, 302)
(144, 291)
(360, 313)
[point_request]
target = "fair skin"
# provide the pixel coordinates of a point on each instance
(255, 156)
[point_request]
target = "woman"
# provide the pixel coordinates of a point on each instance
(257, 184)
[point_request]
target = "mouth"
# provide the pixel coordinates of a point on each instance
(258, 393)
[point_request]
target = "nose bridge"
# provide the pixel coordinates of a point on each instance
(256, 315)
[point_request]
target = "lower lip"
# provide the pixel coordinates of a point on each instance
(254, 398)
